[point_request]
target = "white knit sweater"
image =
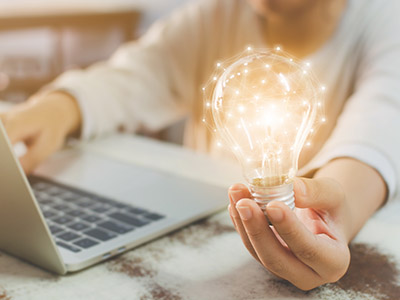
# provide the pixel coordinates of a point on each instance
(156, 81)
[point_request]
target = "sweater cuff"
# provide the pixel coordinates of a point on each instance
(360, 152)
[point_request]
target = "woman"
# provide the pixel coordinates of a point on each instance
(354, 49)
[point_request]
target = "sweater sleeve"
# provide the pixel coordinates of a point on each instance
(148, 83)
(368, 127)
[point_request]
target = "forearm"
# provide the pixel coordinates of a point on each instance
(364, 192)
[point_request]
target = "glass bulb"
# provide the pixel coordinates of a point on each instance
(264, 106)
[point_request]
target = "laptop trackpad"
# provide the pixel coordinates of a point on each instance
(134, 184)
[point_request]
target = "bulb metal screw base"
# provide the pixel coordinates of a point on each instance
(264, 195)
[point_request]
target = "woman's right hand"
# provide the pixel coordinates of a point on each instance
(43, 123)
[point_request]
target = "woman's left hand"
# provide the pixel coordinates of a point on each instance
(307, 246)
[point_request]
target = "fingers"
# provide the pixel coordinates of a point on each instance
(318, 193)
(316, 251)
(236, 193)
(37, 152)
(273, 255)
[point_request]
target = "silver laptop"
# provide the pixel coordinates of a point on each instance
(108, 207)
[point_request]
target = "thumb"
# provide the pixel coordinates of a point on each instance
(318, 193)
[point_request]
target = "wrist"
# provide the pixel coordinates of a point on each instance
(63, 108)
(363, 193)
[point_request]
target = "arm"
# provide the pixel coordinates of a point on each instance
(309, 247)
(146, 84)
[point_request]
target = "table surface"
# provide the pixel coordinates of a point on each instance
(205, 260)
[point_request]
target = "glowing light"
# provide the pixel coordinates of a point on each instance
(265, 117)
(284, 81)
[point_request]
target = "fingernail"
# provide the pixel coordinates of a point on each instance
(232, 211)
(300, 185)
(236, 195)
(244, 212)
(275, 214)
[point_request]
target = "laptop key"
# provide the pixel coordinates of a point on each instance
(55, 229)
(91, 218)
(70, 197)
(153, 216)
(63, 220)
(45, 202)
(62, 207)
(86, 243)
(101, 209)
(49, 213)
(115, 227)
(40, 186)
(79, 226)
(85, 202)
(100, 234)
(128, 219)
(75, 213)
(137, 211)
(68, 236)
(69, 247)
(54, 190)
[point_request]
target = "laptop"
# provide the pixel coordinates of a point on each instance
(85, 207)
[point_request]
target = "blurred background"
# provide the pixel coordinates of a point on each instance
(40, 39)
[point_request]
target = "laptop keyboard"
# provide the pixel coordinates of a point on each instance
(79, 220)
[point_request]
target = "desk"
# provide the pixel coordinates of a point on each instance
(205, 260)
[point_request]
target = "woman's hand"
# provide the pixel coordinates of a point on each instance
(308, 246)
(42, 123)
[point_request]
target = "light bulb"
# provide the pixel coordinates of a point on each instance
(263, 106)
